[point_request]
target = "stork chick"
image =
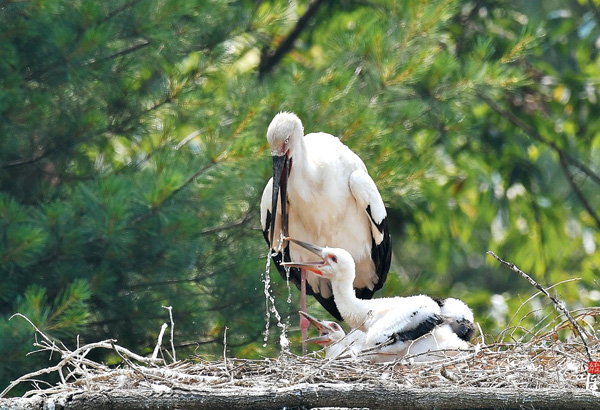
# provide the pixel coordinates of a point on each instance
(441, 342)
(394, 323)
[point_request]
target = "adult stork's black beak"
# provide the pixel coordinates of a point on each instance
(281, 172)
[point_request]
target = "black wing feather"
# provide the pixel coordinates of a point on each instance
(381, 255)
(421, 329)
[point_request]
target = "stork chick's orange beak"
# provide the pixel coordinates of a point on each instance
(324, 331)
(311, 266)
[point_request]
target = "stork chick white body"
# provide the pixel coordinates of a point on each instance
(327, 196)
(447, 338)
(441, 342)
(396, 324)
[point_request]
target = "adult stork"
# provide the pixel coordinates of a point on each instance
(327, 196)
(392, 323)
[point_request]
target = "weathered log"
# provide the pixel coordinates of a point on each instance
(314, 395)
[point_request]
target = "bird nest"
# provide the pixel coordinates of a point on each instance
(556, 366)
(542, 362)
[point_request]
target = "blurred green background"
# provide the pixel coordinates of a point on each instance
(133, 157)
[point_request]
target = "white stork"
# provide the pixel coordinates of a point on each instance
(396, 324)
(327, 196)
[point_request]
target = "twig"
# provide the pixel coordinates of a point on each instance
(159, 342)
(531, 312)
(129, 49)
(543, 361)
(535, 295)
(245, 218)
(533, 133)
(270, 59)
(186, 140)
(576, 189)
(125, 359)
(560, 306)
(69, 356)
(229, 373)
(121, 349)
(225, 347)
(32, 325)
(190, 179)
(28, 376)
(170, 309)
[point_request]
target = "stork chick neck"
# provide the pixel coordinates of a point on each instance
(354, 311)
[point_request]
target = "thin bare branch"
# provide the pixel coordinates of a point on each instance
(534, 134)
(242, 221)
(190, 179)
(170, 309)
(565, 167)
(127, 50)
(269, 58)
(559, 305)
(159, 341)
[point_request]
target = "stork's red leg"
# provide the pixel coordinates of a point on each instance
(303, 321)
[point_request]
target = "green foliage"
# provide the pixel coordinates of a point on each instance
(133, 156)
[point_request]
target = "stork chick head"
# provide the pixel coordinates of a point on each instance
(285, 128)
(456, 309)
(329, 332)
(459, 316)
(336, 264)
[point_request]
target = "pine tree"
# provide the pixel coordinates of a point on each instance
(133, 156)
(107, 212)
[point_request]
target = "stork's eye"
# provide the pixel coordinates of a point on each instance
(287, 140)
(333, 258)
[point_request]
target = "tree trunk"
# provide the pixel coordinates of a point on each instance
(310, 396)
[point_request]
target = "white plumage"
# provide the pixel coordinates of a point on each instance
(327, 197)
(441, 342)
(458, 316)
(399, 325)
(447, 338)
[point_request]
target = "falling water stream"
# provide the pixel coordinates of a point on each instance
(270, 304)
(272, 309)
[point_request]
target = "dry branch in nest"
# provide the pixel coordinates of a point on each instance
(542, 372)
